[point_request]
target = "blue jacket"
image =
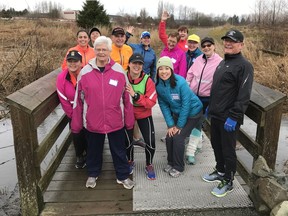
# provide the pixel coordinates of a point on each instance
(191, 56)
(149, 55)
(179, 101)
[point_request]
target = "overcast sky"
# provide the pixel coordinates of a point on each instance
(216, 7)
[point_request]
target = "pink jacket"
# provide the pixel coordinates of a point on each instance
(102, 105)
(178, 58)
(66, 92)
(206, 67)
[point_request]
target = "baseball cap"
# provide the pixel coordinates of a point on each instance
(234, 35)
(165, 61)
(118, 30)
(74, 54)
(94, 29)
(145, 34)
(136, 57)
(207, 39)
(194, 37)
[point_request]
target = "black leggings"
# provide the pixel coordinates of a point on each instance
(146, 127)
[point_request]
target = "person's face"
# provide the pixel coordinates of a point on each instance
(135, 68)
(232, 47)
(74, 65)
(192, 45)
(118, 40)
(164, 72)
(94, 35)
(146, 41)
(172, 42)
(102, 53)
(208, 49)
(183, 34)
(82, 39)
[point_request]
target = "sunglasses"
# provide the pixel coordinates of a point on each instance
(207, 45)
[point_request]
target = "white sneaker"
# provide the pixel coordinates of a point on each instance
(127, 183)
(91, 182)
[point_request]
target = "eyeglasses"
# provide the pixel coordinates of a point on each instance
(207, 45)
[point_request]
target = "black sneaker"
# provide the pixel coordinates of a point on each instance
(139, 143)
(80, 162)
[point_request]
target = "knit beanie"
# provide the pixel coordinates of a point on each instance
(165, 61)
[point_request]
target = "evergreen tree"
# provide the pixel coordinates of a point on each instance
(92, 14)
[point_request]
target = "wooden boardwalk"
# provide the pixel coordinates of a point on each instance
(67, 194)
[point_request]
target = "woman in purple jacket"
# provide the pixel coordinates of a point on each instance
(199, 78)
(66, 84)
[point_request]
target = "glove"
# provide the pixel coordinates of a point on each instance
(206, 112)
(230, 125)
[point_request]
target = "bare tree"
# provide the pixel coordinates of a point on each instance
(143, 15)
(160, 9)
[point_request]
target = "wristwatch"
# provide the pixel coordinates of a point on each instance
(136, 96)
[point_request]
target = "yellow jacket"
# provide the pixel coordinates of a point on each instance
(121, 55)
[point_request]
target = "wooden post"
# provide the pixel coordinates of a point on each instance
(268, 135)
(25, 141)
(270, 103)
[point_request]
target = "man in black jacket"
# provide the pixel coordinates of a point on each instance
(230, 96)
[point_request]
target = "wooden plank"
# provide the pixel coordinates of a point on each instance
(49, 140)
(249, 144)
(68, 176)
(243, 172)
(255, 113)
(265, 97)
(65, 167)
(88, 208)
(32, 95)
(47, 176)
(78, 185)
(89, 195)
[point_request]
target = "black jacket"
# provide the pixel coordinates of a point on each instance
(231, 88)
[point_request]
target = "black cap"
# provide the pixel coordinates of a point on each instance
(136, 57)
(74, 54)
(207, 39)
(234, 35)
(94, 29)
(118, 30)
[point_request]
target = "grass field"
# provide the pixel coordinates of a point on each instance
(32, 48)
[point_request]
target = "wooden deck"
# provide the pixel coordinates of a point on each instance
(67, 194)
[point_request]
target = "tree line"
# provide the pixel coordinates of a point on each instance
(265, 13)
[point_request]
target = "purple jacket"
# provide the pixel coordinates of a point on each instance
(178, 58)
(66, 92)
(102, 105)
(202, 69)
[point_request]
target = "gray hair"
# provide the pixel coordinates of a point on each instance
(103, 40)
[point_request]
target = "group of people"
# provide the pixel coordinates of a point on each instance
(109, 86)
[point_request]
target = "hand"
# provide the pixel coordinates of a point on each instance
(170, 131)
(130, 29)
(176, 131)
(165, 15)
(230, 125)
(130, 90)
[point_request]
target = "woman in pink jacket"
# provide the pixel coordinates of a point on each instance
(66, 84)
(199, 78)
(103, 107)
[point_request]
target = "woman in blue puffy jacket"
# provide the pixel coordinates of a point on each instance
(181, 109)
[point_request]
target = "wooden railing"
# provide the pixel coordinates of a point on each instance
(29, 107)
(265, 109)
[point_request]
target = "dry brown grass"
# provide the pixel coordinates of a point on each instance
(33, 48)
